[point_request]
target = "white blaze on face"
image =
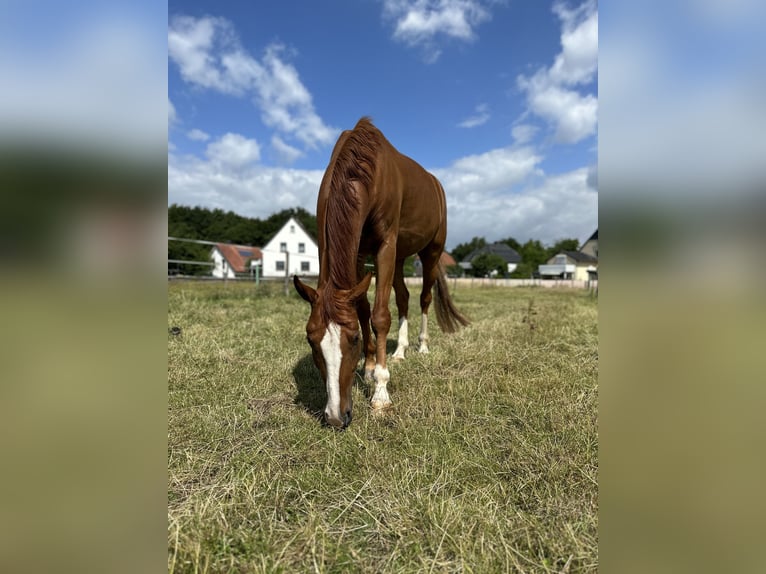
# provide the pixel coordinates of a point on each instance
(330, 346)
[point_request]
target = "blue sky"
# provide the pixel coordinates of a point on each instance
(498, 99)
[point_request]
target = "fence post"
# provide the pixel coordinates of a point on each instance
(287, 273)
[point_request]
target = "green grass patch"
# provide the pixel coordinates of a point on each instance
(486, 463)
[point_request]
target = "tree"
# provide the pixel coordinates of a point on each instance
(512, 243)
(533, 254)
(483, 265)
(455, 271)
(563, 245)
(462, 250)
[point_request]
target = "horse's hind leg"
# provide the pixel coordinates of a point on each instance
(402, 304)
(430, 273)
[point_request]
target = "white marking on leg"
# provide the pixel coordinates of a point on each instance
(423, 338)
(404, 339)
(380, 399)
(331, 352)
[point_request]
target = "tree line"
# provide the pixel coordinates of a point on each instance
(533, 253)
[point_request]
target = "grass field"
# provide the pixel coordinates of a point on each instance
(487, 462)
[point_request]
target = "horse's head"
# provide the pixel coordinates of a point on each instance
(335, 343)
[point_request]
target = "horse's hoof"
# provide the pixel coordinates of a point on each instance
(379, 407)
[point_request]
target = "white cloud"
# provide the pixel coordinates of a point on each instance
(172, 116)
(574, 116)
(253, 190)
(193, 45)
(479, 118)
(208, 54)
(547, 208)
(552, 92)
(523, 133)
(494, 171)
(578, 60)
(233, 151)
(419, 23)
(198, 135)
(286, 153)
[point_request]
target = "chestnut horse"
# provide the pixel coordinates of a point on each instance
(372, 201)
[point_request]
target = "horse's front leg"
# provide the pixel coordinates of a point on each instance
(368, 345)
(381, 322)
(363, 312)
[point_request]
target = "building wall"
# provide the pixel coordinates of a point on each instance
(581, 271)
(222, 268)
(591, 248)
(290, 237)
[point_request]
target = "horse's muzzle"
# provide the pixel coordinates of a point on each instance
(337, 423)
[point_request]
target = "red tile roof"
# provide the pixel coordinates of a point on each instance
(239, 255)
(446, 259)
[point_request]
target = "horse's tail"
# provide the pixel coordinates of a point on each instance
(447, 315)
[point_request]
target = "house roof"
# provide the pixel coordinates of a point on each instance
(508, 253)
(580, 257)
(238, 255)
(446, 259)
(298, 221)
(594, 236)
(291, 220)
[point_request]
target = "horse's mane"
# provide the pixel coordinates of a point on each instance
(355, 161)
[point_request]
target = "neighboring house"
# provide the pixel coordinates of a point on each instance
(292, 247)
(234, 260)
(445, 261)
(508, 253)
(590, 247)
(579, 265)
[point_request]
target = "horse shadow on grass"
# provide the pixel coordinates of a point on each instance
(312, 395)
(311, 392)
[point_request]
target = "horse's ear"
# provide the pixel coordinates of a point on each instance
(361, 289)
(308, 293)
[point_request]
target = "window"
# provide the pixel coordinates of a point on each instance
(305, 266)
(283, 247)
(301, 248)
(561, 259)
(292, 229)
(280, 265)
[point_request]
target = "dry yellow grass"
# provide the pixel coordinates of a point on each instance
(487, 462)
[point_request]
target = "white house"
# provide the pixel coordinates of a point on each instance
(291, 251)
(234, 260)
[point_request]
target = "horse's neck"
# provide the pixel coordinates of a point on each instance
(340, 257)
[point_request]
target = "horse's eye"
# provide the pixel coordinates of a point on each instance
(355, 339)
